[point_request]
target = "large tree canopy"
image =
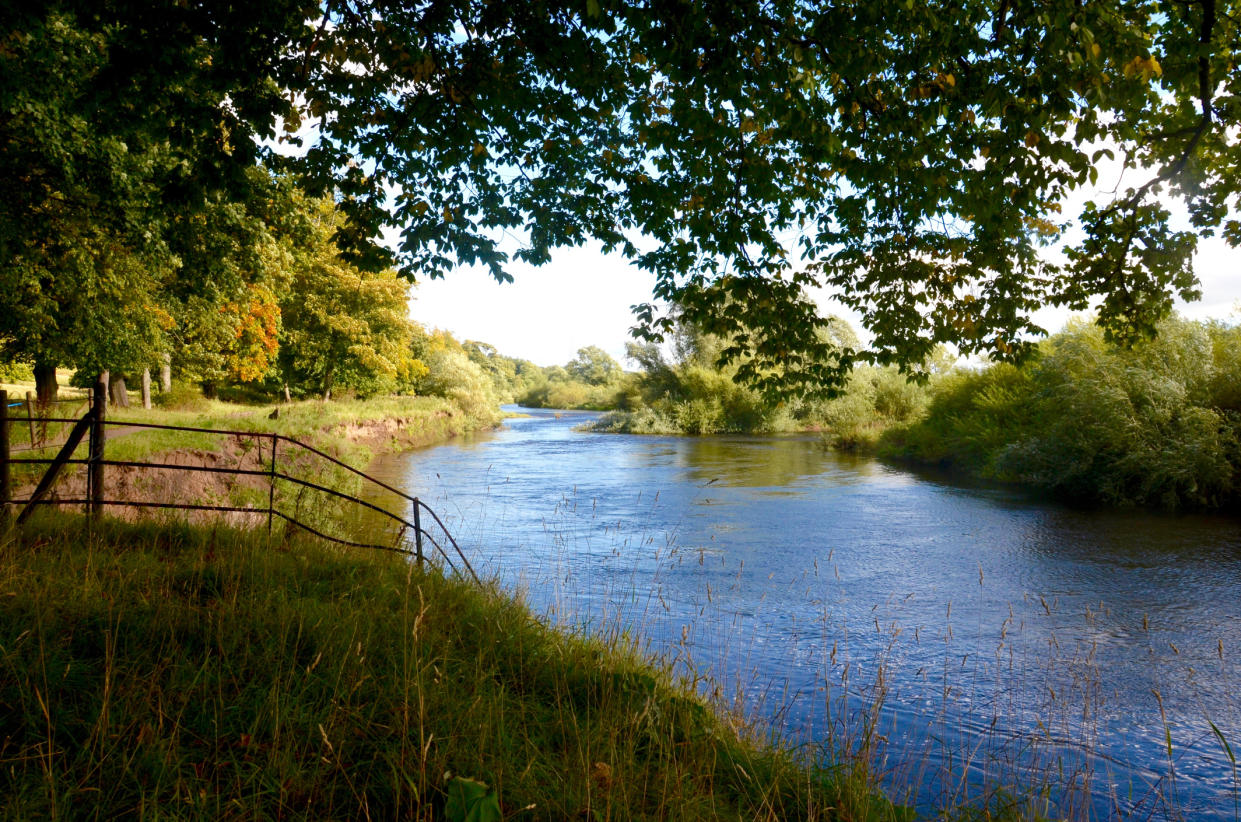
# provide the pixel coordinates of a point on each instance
(915, 158)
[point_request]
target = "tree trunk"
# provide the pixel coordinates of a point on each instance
(117, 391)
(146, 388)
(287, 398)
(165, 373)
(208, 389)
(46, 387)
(327, 381)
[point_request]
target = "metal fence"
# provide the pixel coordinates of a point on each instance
(32, 412)
(92, 427)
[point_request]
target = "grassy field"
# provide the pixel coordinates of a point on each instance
(354, 431)
(410, 421)
(162, 671)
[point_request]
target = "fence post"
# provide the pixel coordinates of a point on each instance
(271, 483)
(5, 492)
(418, 531)
(90, 447)
(30, 417)
(99, 405)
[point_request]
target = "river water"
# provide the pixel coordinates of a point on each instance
(958, 636)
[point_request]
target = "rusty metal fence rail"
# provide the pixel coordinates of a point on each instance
(92, 426)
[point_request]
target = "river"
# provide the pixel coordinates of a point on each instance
(960, 636)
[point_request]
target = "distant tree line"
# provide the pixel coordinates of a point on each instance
(681, 389)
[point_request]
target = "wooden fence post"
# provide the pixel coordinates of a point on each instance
(99, 406)
(418, 531)
(5, 490)
(30, 417)
(271, 483)
(88, 421)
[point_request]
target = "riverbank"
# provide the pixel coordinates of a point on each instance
(209, 673)
(352, 431)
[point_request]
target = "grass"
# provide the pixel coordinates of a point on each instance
(350, 430)
(414, 420)
(163, 671)
(353, 431)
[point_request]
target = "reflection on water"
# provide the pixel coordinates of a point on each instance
(773, 464)
(1004, 637)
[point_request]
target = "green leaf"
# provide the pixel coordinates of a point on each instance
(470, 801)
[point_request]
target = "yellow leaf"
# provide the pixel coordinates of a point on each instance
(1147, 67)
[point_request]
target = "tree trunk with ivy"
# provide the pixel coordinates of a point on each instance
(46, 387)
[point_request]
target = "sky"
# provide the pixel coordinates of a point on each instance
(582, 297)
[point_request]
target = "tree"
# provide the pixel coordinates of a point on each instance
(593, 366)
(342, 326)
(235, 258)
(112, 153)
(920, 157)
(78, 272)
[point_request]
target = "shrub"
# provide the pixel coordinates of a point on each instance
(1089, 421)
(12, 372)
(182, 397)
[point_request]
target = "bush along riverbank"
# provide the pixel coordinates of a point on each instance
(692, 394)
(1157, 425)
(205, 673)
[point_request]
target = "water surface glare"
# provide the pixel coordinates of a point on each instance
(1008, 637)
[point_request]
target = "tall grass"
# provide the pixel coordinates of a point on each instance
(191, 673)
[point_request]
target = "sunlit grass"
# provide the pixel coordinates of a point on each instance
(350, 430)
(171, 672)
